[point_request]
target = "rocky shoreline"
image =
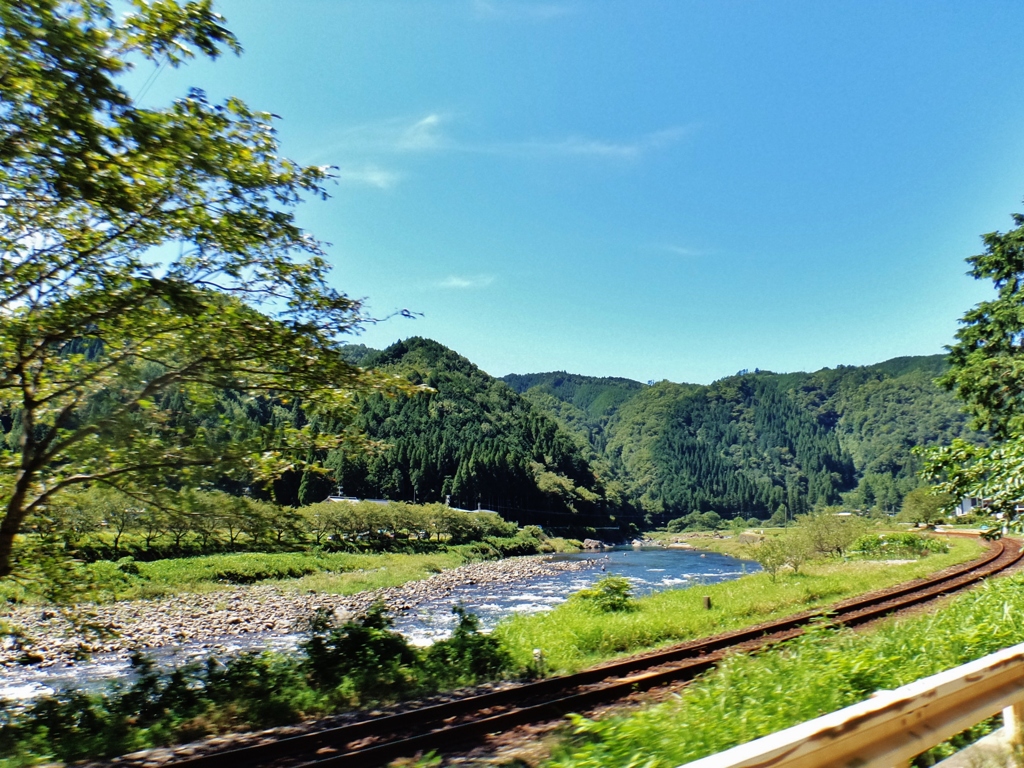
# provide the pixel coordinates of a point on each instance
(212, 617)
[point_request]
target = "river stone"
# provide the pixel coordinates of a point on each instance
(148, 624)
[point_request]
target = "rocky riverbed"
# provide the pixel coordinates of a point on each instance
(58, 637)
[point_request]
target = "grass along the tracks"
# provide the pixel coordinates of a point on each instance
(574, 636)
(747, 697)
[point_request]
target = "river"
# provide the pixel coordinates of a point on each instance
(649, 569)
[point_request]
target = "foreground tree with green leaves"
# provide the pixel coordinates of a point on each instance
(150, 266)
(987, 373)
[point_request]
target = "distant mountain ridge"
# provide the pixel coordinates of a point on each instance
(474, 442)
(570, 444)
(593, 395)
(747, 444)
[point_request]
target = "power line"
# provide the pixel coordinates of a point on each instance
(149, 81)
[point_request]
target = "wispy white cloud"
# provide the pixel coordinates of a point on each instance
(392, 136)
(678, 250)
(429, 134)
(462, 282)
(582, 145)
(507, 10)
(423, 135)
(368, 175)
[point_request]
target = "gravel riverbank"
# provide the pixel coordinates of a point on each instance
(212, 617)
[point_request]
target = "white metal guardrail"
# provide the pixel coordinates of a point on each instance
(892, 727)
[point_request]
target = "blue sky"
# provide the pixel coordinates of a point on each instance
(646, 189)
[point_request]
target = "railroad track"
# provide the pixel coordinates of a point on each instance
(376, 741)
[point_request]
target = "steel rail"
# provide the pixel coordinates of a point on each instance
(552, 698)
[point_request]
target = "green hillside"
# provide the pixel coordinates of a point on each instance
(746, 444)
(473, 440)
(881, 412)
(596, 397)
(580, 453)
(583, 405)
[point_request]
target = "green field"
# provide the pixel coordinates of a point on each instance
(337, 573)
(574, 636)
(747, 697)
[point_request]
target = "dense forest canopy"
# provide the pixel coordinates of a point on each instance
(749, 443)
(589, 449)
(581, 454)
(468, 439)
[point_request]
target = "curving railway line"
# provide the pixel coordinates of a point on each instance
(376, 741)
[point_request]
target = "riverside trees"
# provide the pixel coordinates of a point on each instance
(150, 266)
(987, 373)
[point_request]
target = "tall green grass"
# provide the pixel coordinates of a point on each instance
(332, 572)
(573, 635)
(751, 696)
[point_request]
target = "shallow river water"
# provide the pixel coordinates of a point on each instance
(649, 569)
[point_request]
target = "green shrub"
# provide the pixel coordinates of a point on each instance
(827, 533)
(971, 519)
(364, 656)
(529, 541)
(612, 594)
(491, 524)
(771, 553)
(468, 656)
(256, 689)
(251, 573)
(696, 521)
(127, 565)
(899, 544)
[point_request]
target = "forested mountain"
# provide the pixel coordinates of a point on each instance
(881, 412)
(566, 444)
(750, 443)
(745, 446)
(575, 452)
(584, 405)
(597, 397)
(470, 439)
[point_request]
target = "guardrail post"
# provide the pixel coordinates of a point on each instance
(1013, 723)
